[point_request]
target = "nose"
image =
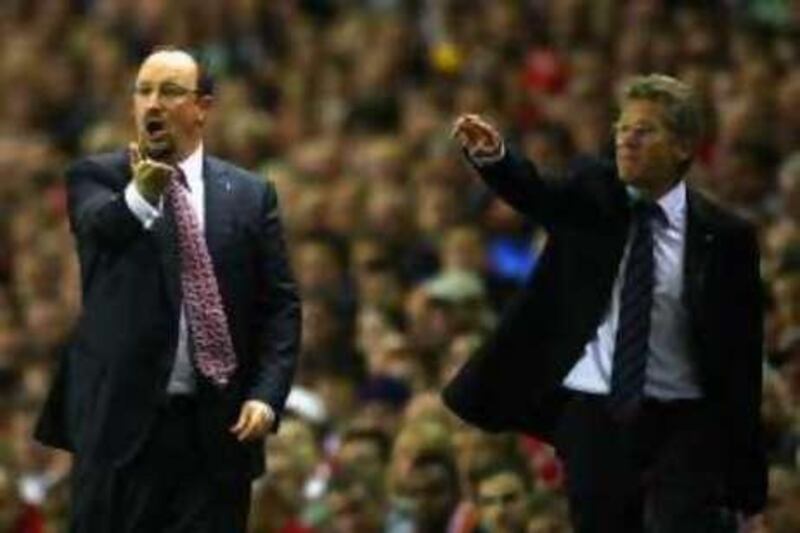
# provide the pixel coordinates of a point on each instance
(153, 101)
(627, 139)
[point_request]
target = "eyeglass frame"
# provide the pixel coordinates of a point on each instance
(166, 92)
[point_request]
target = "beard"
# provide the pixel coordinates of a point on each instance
(160, 151)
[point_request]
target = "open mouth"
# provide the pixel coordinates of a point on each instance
(155, 127)
(159, 142)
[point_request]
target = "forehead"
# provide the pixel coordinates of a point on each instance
(430, 478)
(175, 66)
(642, 110)
(502, 482)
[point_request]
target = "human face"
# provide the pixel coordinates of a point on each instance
(355, 510)
(648, 153)
(431, 496)
(502, 504)
(168, 111)
(362, 454)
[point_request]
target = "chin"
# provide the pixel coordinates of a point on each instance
(160, 151)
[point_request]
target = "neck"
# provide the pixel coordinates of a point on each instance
(653, 193)
(182, 154)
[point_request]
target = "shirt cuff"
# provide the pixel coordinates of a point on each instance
(484, 160)
(141, 208)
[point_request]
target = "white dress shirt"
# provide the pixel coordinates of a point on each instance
(670, 373)
(182, 378)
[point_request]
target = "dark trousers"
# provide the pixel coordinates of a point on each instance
(167, 487)
(659, 473)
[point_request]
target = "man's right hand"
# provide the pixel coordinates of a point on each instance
(150, 176)
(480, 139)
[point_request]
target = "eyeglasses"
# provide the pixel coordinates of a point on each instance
(166, 92)
(637, 131)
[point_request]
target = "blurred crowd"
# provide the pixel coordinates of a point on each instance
(403, 258)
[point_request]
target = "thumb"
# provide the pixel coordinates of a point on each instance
(244, 414)
(135, 153)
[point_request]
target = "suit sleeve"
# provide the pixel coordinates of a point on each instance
(141, 208)
(98, 210)
(549, 202)
(280, 302)
(747, 484)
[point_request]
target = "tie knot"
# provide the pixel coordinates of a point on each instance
(181, 178)
(648, 210)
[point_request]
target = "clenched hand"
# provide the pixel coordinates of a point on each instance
(150, 176)
(479, 138)
(255, 420)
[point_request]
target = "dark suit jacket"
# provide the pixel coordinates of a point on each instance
(114, 374)
(513, 382)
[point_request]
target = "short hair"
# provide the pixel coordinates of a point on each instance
(682, 112)
(205, 80)
(507, 465)
(444, 460)
(372, 435)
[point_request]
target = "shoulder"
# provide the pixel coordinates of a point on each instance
(111, 167)
(717, 217)
(595, 176)
(246, 180)
(595, 180)
(592, 167)
(109, 160)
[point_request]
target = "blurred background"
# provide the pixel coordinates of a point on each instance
(403, 258)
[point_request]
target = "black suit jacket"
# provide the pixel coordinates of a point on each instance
(513, 382)
(114, 373)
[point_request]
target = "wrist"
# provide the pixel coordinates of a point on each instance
(489, 157)
(148, 192)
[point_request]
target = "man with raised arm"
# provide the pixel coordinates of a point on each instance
(185, 349)
(636, 346)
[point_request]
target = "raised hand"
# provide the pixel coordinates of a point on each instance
(479, 138)
(150, 176)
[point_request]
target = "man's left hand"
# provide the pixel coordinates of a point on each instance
(255, 420)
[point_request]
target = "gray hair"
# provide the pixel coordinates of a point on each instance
(682, 113)
(681, 108)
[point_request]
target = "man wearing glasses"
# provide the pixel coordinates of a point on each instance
(636, 346)
(184, 354)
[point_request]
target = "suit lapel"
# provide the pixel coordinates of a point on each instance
(166, 235)
(217, 198)
(700, 240)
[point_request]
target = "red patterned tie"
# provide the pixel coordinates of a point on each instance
(208, 325)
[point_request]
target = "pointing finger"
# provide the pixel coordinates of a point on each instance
(135, 153)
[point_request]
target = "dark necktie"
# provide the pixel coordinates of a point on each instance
(633, 329)
(205, 315)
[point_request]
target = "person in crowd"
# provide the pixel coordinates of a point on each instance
(503, 491)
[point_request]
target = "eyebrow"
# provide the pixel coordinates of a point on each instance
(161, 81)
(639, 122)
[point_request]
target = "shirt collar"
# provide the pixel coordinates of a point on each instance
(192, 167)
(672, 203)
